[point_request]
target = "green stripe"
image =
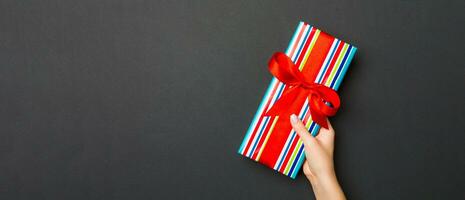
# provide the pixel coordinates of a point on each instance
(291, 160)
(338, 62)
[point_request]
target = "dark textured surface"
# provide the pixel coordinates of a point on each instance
(151, 99)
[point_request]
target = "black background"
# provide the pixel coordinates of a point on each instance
(131, 99)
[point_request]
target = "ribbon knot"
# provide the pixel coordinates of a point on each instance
(323, 101)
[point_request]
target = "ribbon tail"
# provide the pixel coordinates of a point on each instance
(318, 118)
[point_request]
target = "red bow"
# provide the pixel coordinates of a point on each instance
(323, 100)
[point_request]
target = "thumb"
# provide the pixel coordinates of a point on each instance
(302, 131)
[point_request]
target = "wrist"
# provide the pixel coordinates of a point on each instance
(325, 179)
(326, 186)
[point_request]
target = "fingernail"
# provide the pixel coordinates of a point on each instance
(294, 118)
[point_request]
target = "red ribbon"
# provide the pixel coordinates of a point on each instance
(323, 100)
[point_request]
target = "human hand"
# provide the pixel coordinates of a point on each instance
(319, 166)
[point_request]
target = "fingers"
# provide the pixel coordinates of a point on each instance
(326, 137)
(307, 170)
(302, 131)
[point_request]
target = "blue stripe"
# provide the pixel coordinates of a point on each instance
(312, 127)
(250, 129)
(294, 37)
(340, 68)
(305, 111)
(285, 152)
(329, 61)
(298, 162)
(268, 91)
(266, 122)
(294, 60)
(303, 43)
(258, 137)
(279, 93)
(294, 164)
(351, 52)
(333, 50)
(290, 142)
(315, 130)
(344, 70)
(298, 165)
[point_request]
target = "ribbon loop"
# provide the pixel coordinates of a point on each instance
(323, 100)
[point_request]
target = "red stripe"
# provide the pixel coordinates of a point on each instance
(250, 140)
(304, 50)
(307, 116)
(318, 55)
(315, 61)
(268, 155)
(282, 128)
(331, 65)
(293, 146)
(288, 155)
(274, 147)
(270, 122)
(260, 142)
(298, 39)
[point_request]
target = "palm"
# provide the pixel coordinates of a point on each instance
(321, 149)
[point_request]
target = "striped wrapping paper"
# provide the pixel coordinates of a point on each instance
(284, 152)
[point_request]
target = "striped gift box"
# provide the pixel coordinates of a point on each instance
(284, 152)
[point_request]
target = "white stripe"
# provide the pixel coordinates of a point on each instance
(344, 66)
(277, 94)
(273, 82)
(282, 156)
(255, 121)
(282, 152)
(302, 41)
(288, 142)
(280, 85)
(307, 30)
(297, 160)
(306, 101)
(327, 59)
(255, 137)
(335, 68)
(320, 73)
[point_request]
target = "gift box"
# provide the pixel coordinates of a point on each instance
(322, 61)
